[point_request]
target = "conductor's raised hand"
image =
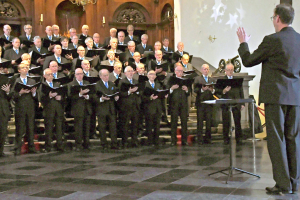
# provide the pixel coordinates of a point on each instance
(242, 35)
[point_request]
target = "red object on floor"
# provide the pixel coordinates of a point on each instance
(190, 139)
(178, 135)
(24, 148)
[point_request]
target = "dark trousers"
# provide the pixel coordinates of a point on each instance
(204, 112)
(226, 118)
(180, 110)
(82, 130)
(126, 116)
(109, 120)
(24, 124)
(3, 132)
(93, 122)
(282, 123)
(152, 123)
(49, 122)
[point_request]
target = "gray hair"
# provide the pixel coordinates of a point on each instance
(127, 68)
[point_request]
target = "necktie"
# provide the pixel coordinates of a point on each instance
(131, 37)
(185, 66)
(144, 46)
(17, 51)
(24, 81)
(7, 37)
(54, 75)
(152, 85)
(75, 46)
(117, 76)
(181, 53)
(80, 83)
(131, 53)
(230, 77)
(158, 62)
(51, 85)
(50, 37)
(87, 74)
(97, 45)
(206, 79)
(130, 81)
(39, 49)
(28, 37)
(111, 63)
(106, 85)
(81, 58)
(58, 59)
(166, 48)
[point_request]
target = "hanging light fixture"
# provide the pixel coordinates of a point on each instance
(83, 3)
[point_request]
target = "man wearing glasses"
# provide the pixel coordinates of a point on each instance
(279, 91)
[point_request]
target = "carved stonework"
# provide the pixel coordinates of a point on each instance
(8, 10)
(131, 15)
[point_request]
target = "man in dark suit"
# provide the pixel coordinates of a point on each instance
(130, 52)
(112, 34)
(129, 108)
(204, 92)
(166, 47)
(279, 91)
(130, 36)
(53, 104)
(153, 109)
(178, 107)
(96, 39)
(24, 110)
(152, 65)
(90, 72)
(140, 71)
(231, 93)
(179, 53)
(81, 111)
(76, 62)
(4, 112)
(144, 46)
(117, 73)
(105, 109)
(49, 36)
(26, 37)
(54, 68)
(74, 42)
(56, 57)
(121, 37)
(7, 36)
(111, 59)
(83, 35)
(38, 48)
(14, 53)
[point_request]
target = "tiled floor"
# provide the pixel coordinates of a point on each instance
(140, 173)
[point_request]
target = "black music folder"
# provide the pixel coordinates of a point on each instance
(36, 70)
(20, 86)
(163, 66)
(143, 78)
(181, 81)
(35, 55)
(234, 83)
(63, 80)
(72, 52)
(65, 66)
(125, 86)
(142, 60)
(122, 47)
(47, 42)
(61, 90)
(96, 52)
(75, 89)
(4, 63)
(91, 79)
(4, 41)
(160, 93)
(108, 67)
(27, 43)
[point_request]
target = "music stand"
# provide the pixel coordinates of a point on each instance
(230, 103)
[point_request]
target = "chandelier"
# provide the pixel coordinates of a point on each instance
(83, 3)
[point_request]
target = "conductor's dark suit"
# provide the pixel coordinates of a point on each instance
(24, 116)
(233, 93)
(279, 91)
(81, 110)
(153, 109)
(53, 114)
(106, 113)
(129, 111)
(178, 107)
(204, 111)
